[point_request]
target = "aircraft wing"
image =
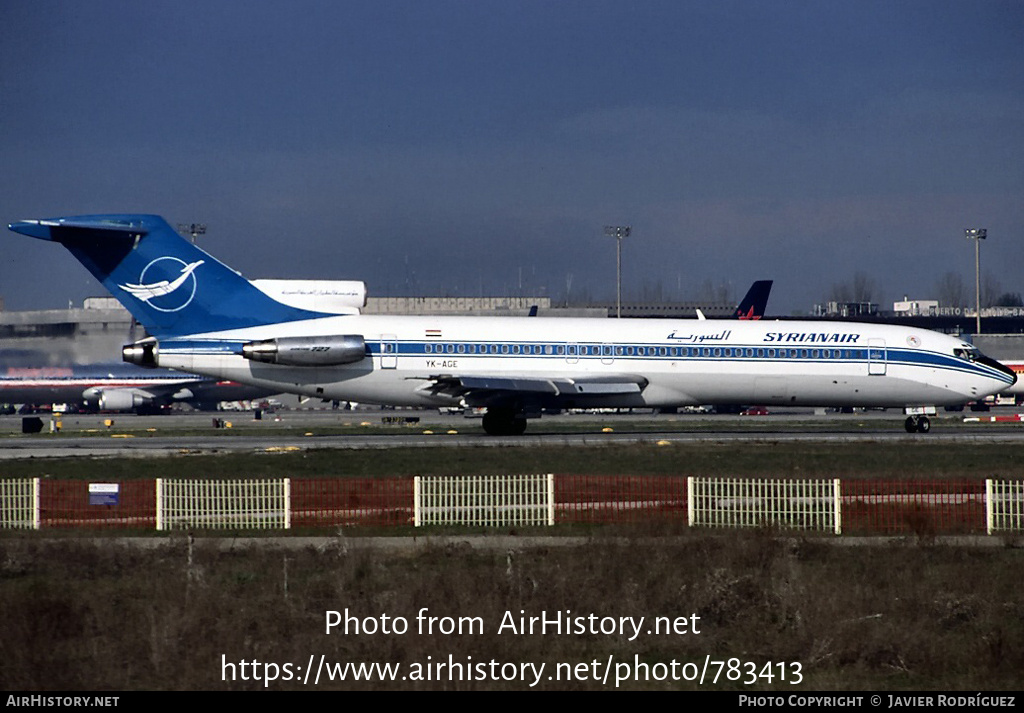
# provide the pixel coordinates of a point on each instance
(481, 389)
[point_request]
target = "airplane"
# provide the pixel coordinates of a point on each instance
(118, 387)
(755, 302)
(219, 324)
(1016, 390)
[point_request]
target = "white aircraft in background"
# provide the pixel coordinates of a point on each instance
(1016, 390)
(217, 323)
(118, 387)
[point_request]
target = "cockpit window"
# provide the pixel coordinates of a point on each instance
(967, 353)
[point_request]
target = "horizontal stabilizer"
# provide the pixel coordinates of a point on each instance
(58, 228)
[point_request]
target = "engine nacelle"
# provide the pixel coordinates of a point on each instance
(141, 353)
(307, 351)
(120, 400)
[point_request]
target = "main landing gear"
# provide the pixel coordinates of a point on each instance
(504, 422)
(917, 424)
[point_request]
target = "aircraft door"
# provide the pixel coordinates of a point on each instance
(388, 351)
(607, 353)
(876, 357)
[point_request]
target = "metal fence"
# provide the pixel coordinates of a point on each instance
(919, 507)
(1004, 505)
(485, 501)
(223, 504)
(19, 504)
(746, 502)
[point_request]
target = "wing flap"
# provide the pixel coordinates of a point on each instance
(480, 384)
(597, 388)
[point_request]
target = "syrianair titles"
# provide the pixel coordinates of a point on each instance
(812, 337)
(207, 319)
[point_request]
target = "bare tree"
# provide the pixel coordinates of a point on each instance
(860, 289)
(991, 289)
(863, 287)
(712, 293)
(950, 290)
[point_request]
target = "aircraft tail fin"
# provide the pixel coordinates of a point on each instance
(755, 302)
(167, 283)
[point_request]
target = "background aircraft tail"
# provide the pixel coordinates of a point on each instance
(167, 283)
(755, 302)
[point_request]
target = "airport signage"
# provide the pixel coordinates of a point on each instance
(104, 493)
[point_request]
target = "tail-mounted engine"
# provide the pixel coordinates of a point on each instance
(307, 351)
(141, 353)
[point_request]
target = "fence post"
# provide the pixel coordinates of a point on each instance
(37, 517)
(159, 505)
(551, 499)
(416, 501)
(837, 501)
(989, 506)
(287, 503)
(689, 501)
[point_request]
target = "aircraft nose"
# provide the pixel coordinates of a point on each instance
(1002, 368)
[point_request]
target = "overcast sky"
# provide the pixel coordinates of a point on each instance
(444, 147)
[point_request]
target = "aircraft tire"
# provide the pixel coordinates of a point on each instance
(910, 425)
(924, 425)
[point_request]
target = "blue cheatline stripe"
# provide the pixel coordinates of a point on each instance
(593, 352)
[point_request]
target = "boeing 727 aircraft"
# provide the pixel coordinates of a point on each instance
(215, 322)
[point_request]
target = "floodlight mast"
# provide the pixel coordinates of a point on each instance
(618, 232)
(193, 229)
(977, 235)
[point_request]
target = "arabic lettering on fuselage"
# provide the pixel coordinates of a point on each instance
(775, 337)
(701, 337)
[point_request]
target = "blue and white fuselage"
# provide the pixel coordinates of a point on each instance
(207, 319)
(655, 363)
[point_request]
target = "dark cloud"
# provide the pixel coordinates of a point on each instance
(473, 146)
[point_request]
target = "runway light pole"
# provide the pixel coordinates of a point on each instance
(618, 232)
(977, 235)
